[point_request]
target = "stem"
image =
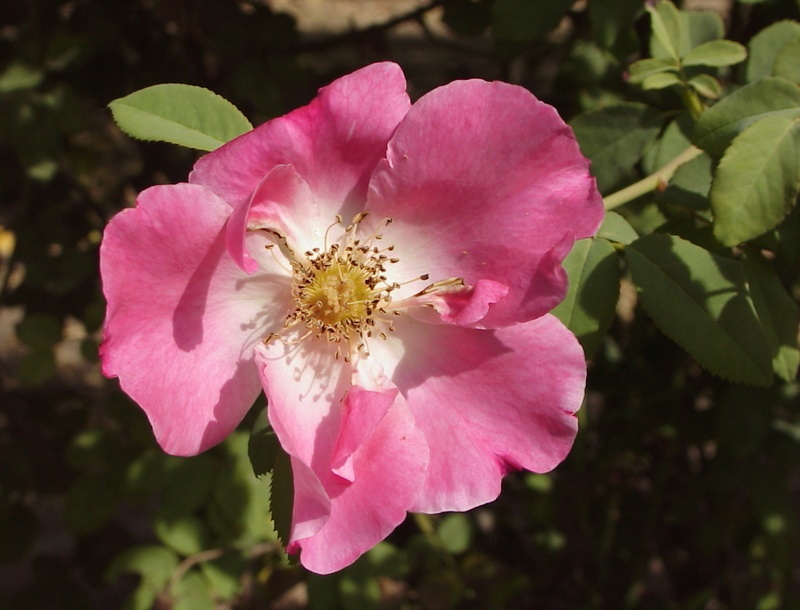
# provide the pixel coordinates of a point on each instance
(652, 182)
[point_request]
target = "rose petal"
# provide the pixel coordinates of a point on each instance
(487, 401)
(333, 143)
(277, 201)
(484, 181)
(182, 317)
(368, 434)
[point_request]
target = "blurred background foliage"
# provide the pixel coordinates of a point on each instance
(682, 490)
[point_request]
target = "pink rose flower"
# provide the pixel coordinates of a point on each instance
(384, 273)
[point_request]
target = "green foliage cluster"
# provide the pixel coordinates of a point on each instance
(681, 489)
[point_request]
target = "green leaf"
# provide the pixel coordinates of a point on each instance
(589, 307)
(224, 574)
(765, 48)
(706, 85)
(661, 80)
(690, 185)
(701, 27)
(639, 70)
(281, 496)
(467, 17)
(778, 313)
(179, 114)
(701, 302)
(668, 27)
(611, 21)
(787, 64)
(716, 53)
(187, 535)
(672, 142)
(614, 138)
(757, 181)
(18, 76)
(455, 531)
(720, 124)
(192, 593)
(616, 228)
(39, 330)
(154, 563)
(187, 486)
(263, 446)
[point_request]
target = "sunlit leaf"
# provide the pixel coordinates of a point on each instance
(700, 300)
(179, 114)
(715, 53)
(706, 85)
(757, 181)
(616, 228)
(187, 535)
(720, 124)
(766, 46)
(661, 80)
(667, 25)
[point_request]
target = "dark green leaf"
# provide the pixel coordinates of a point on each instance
(467, 17)
(179, 114)
(720, 124)
(588, 309)
(611, 23)
(690, 185)
(757, 181)
(614, 138)
(766, 46)
(263, 446)
(701, 301)
(192, 593)
(39, 330)
(281, 496)
(778, 313)
(521, 22)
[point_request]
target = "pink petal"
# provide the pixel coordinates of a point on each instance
(487, 401)
(182, 317)
(331, 429)
(277, 201)
(485, 182)
(333, 143)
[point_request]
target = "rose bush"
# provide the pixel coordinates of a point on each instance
(384, 272)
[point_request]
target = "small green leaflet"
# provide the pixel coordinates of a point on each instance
(716, 53)
(589, 307)
(185, 115)
(757, 181)
(702, 302)
(668, 27)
